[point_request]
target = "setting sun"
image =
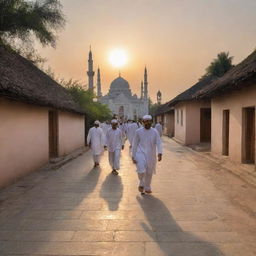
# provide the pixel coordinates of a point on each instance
(118, 58)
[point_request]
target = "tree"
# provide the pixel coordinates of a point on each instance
(152, 107)
(22, 19)
(220, 65)
(86, 100)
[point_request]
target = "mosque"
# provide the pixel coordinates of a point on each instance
(120, 99)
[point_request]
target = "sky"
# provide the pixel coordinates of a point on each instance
(175, 39)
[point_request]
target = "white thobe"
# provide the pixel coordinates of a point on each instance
(114, 142)
(132, 128)
(159, 128)
(123, 130)
(105, 128)
(97, 140)
(145, 145)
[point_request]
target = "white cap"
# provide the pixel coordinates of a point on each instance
(114, 121)
(147, 117)
(97, 122)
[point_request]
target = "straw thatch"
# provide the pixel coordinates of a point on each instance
(23, 81)
(240, 76)
(190, 93)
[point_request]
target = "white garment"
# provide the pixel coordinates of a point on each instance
(114, 139)
(122, 127)
(97, 140)
(132, 128)
(114, 142)
(96, 158)
(159, 128)
(114, 159)
(105, 127)
(145, 180)
(144, 146)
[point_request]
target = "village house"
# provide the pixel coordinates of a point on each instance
(233, 101)
(165, 114)
(192, 124)
(38, 118)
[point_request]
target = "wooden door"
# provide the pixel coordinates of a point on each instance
(225, 133)
(249, 135)
(53, 134)
(205, 125)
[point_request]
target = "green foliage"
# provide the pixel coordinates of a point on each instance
(87, 101)
(23, 19)
(220, 65)
(152, 107)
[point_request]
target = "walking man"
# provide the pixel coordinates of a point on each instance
(132, 128)
(159, 128)
(114, 143)
(144, 146)
(96, 141)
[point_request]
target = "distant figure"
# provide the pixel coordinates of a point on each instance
(96, 141)
(159, 128)
(114, 143)
(105, 126)
(145, 143)
(132, 128)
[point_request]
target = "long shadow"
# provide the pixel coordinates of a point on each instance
(167, 233)
(49, 220)
(91, 180)
(112, 191)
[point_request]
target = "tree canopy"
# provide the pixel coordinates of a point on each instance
(220, 65)
(20, 19)
(86, 99)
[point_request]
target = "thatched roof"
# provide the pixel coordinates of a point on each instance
(190, 93)
(164, 108)
(23, 81)
(240, 76)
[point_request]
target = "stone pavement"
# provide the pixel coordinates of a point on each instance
(196, 209)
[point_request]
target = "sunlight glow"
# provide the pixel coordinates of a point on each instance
(118, 58)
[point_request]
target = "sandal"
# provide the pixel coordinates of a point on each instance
(115, 172)
(141, 189)
(148, 191)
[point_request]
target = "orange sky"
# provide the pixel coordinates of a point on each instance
(176, 39)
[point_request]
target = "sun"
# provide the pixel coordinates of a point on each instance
(118, 58)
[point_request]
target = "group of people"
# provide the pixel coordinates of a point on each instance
(145, 146)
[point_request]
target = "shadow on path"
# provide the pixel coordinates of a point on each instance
(170, 237)
(112, 191)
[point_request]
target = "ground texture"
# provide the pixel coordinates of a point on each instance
(197, 209)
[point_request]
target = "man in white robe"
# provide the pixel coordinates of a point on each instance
(159, 128)
(144, 146)
(96, 141)
(132, 128)
(114, 143)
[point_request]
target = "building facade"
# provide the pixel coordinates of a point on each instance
(120, 99)
(38, 118)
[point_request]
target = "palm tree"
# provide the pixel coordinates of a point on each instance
(220, 65)
(23, 20)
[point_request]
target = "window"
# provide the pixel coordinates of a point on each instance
(178, 118)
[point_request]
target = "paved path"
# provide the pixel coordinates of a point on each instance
(196, 210)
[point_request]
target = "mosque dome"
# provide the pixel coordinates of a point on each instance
(118, 86)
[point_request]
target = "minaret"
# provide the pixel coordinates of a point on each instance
(145, 84)
(99, 94)
(141, 90)
(159, 98)
(90, 71)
